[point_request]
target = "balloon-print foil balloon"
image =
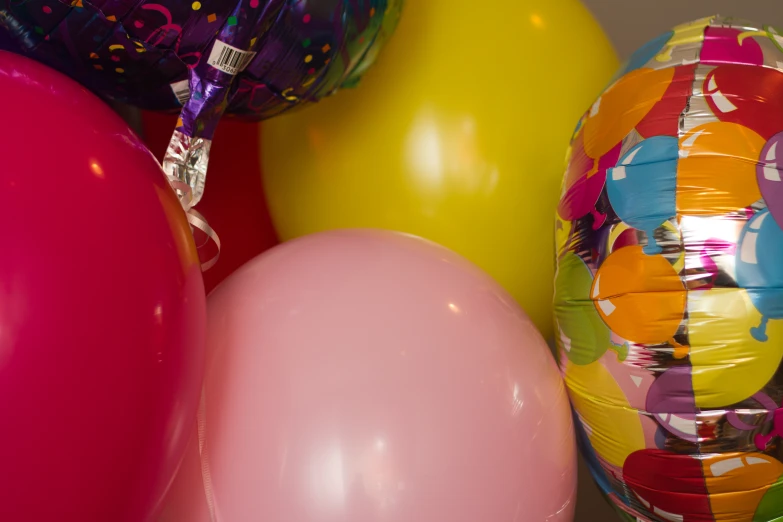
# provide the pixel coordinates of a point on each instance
(669, 288)
(204, 58)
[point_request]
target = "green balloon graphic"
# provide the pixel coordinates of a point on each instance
(770, 508)
(581, 333)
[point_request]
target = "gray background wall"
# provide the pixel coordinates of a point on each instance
(629, 24)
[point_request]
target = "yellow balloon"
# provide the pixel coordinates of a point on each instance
(457, 134)
(614, 427)
(728, 364)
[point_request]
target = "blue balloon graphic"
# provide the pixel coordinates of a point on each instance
(759, 264)
(644, 54)
(642, 187)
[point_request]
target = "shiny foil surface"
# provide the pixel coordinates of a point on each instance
(203, 58)
(669, 285)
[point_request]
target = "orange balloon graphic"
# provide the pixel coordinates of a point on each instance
(716, 172)
(737, 482)
(615, 114)
(640, 297)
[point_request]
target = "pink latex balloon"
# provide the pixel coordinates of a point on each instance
(368, 376)
(102, 310)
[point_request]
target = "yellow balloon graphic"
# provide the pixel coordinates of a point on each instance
(456, 134)
(729, 365)
(613, 426)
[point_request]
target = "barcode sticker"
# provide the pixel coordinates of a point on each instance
(228, 58)
(182, 91)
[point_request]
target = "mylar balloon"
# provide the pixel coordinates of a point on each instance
(455, 135)
(372, 376)
(683, 247)
(102, 314)
(255, 58)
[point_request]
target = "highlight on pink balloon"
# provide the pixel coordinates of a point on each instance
(749, 96)
(728, 45)
(768, 175)
(584, 183)
(368, 376)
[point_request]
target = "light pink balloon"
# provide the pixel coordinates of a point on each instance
(368, 376)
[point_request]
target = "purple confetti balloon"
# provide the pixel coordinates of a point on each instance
(252, 58)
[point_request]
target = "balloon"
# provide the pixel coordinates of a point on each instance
(366, 375)
(640, 297)
(204, 58)
(618, 110)
(646, 52)
(642, 187)
(235, 205)
(717, 169)
(611, 414)
(584, 183)
(723, 487)
(737, 483)
(578, 317)
(663, 117)
(771, 505)
(672, 400)
(729, 364)
(102, 314)
(759, 269)
(768, 172)
(747, 96)
(669, 485)
(275, 53)
(729, 45)
(683, 240)
(464, 150)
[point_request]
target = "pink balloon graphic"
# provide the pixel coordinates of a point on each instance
(368, 376)
(102, 314)
(584, 183)
(768, 175)
(727, 45)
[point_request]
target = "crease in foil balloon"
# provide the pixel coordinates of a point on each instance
(204, 58)
(674, 251)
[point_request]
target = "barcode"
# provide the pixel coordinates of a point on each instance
(182, 91)
(228, 58)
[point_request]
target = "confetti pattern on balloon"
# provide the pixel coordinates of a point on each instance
(252, 58)
(683, 241)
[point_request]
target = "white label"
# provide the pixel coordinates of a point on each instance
(228, 58)
(181, 90)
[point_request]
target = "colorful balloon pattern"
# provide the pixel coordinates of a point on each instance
(670, 249)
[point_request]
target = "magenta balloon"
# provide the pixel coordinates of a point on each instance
(368, 376)
(102, 310)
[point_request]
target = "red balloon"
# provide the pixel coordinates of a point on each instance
(102, 309)
(664, 118)
(669, 484)
(748, 96)
(234, 203)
